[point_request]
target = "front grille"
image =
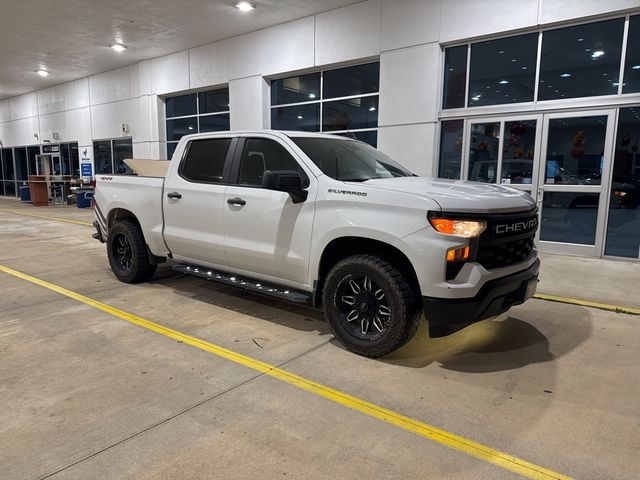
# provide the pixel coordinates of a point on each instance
(505, 254)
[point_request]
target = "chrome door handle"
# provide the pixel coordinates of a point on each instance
(174, 195)
(236, 201)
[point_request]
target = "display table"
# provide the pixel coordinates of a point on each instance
(40, 187)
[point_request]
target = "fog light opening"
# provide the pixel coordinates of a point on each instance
(459, 254)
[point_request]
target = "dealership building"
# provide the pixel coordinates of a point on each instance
(539, 95)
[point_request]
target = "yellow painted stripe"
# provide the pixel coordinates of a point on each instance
(588, 303)
(57, 219)
(475, 449)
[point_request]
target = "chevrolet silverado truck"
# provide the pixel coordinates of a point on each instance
(330, 222)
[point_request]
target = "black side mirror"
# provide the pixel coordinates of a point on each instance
(288, 181)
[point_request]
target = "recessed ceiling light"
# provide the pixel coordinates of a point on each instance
(118, 47)
(581, 39)
(42, 72)
(372, 109)
(524, 68)
(636, 67)
(501, 52)
(312, 95)
(503, 82)
(514, 60)
(245, 6)
(597, 53)
(565, 75)
(299, 117)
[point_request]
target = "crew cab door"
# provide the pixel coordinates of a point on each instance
(265, 232)
(193, 201)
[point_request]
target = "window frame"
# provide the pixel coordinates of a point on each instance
(322, 100)
(228, 160)
(195, 116)
(111, 154)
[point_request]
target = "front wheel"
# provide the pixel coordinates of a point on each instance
(370, 306)
(127, 253)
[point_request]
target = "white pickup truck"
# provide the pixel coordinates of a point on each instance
(328, 221)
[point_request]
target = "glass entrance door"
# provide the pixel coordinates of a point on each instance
(572, 180)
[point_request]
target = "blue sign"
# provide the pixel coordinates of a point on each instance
(86, 169)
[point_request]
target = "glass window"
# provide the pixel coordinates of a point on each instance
(581, 61)
(503, 71)
(214, 123)
(7, 164)
(348, 160)
(451, 132)
(32, 152)
(10, 189)
(260, 155)
(66, 159)
(213, 101)
(1, 162)
(179, 127)
(623, 227)
(575, 150)
(205, 160)
(102, 156)
(348, 81)
(354, 113)
(518, 151)
(21, 164)
(455, 77)
(171, 148)
(301, 88)
(369, 136)
(300, 117)
(122, 148)
(181, 106)
(483, 154)
(632, 63)
(75, 160)
(569, 217)
(1, 188)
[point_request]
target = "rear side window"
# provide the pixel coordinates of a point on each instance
(260, 155)
(205, 160)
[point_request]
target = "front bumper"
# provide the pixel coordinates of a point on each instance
(447, 316)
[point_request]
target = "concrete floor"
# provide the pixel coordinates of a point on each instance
(86, 395)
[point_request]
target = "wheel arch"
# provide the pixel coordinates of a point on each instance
(346, 246)
(119, 214)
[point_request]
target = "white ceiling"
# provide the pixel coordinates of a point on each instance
(71, 38)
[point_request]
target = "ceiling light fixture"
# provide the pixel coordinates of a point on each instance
(299, 117)
(245, 6)
(312, 95)
(42, 72)
(372, 109)
(565, 75)
(503, 82)
(597, 53)
(636, 67)
(118, 47)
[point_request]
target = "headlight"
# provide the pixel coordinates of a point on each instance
(460, 228)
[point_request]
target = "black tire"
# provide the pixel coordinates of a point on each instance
(127, 252)
(387, 314)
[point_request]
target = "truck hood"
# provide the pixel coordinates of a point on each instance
(458, 195)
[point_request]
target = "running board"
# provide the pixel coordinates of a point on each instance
(246, 283)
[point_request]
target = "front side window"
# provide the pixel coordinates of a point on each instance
(205, 159)
(349, 160)
(503, 71)
(581, 61)
(260, 155)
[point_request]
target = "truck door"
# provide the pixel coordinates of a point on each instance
(193, 201)
(265, 232)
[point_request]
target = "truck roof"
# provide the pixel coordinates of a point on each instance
(288, 133)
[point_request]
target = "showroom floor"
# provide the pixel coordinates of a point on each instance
(88, 390)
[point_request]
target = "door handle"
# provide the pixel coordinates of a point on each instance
(236, 201)
(174, 195)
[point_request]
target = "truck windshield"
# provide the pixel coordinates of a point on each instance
(349, 160)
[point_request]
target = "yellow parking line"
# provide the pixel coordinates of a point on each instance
(478, 450)
(588, 303)
(57, 219)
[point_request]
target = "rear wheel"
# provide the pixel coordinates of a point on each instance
(127, 252)
(369, 306)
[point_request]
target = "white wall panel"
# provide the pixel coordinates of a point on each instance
(20, 132)
(410, 145)
(409, 22)
(107, 119)
(23, 106)
(208, 65)
(169, 73)
(110, 86)
(462, 19)
(348, 33)
(72, 126)
(283, 48)
(558, 10)
(64, 97)
(249, 103)
(144, 87)
(408, 85)
(5, 115)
